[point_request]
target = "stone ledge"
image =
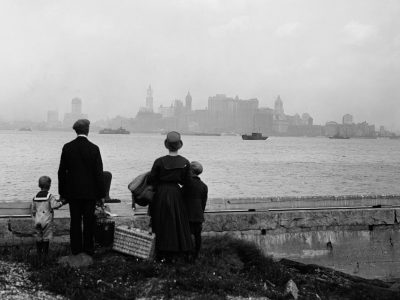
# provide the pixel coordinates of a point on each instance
(273, 222)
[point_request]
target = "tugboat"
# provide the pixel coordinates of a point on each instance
(114, 131)
(254, 136)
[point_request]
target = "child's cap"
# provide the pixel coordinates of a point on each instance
(44, 182)
(196, 167)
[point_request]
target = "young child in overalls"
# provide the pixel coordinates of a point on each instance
(43, 205)
(195, 195)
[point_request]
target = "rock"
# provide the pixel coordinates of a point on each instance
(395, 286)
(76, 261)
(291, 289)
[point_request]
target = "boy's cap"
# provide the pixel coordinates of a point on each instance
(81, 125)
(173, 137)
(196, 167)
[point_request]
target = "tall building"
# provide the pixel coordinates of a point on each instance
(188, 102)
(279, 106)
(231, 114)
(149, 99)
(347, 119)
(76, 106)
(75, 114)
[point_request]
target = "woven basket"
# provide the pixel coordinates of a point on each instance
(134, 241)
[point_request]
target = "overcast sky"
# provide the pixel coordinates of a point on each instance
(326, 58)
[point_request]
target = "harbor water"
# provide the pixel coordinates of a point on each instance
(279, 166)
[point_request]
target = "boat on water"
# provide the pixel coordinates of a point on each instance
(195, 133)
(203, 134)
(254, 136)
(114, 131)
(25, 129)
(339, 137)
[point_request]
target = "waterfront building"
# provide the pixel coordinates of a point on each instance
(231, 114)
(307, 119)
(364, 130)
(75, 114)
(331, 128)
(383, 132)
(147, 121)
(166, 111)
(198, 120)
(264, 120)
(347, 119)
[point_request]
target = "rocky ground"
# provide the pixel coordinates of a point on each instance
(227, 269)
(15, 283)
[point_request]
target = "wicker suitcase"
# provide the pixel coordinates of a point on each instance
(134, 241)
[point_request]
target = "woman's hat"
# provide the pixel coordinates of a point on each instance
(173, 141)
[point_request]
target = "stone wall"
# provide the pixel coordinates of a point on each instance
(363, 241)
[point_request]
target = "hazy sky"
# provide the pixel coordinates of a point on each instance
(326, 58)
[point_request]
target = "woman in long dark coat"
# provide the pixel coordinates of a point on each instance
(169, 219)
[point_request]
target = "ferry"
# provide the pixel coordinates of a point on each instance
(254, 136)
(339, 137)
(114, 131)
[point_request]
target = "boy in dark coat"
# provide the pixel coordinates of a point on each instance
(195, 199)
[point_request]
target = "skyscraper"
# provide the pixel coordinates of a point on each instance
(149, 99)
(76, 106)
(188, 102)
(75, 114)
(279, 106)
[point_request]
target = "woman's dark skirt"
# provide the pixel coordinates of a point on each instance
(169, 220)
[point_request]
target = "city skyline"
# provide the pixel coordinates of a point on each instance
(75, 111)
(325, 58)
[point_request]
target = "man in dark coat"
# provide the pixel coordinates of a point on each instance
(195, 195)
(81, 184)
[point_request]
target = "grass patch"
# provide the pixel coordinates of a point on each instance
(226, 266)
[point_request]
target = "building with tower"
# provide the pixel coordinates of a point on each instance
(188, 102)
(278, 107)
(75, 114)
(149, 99)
